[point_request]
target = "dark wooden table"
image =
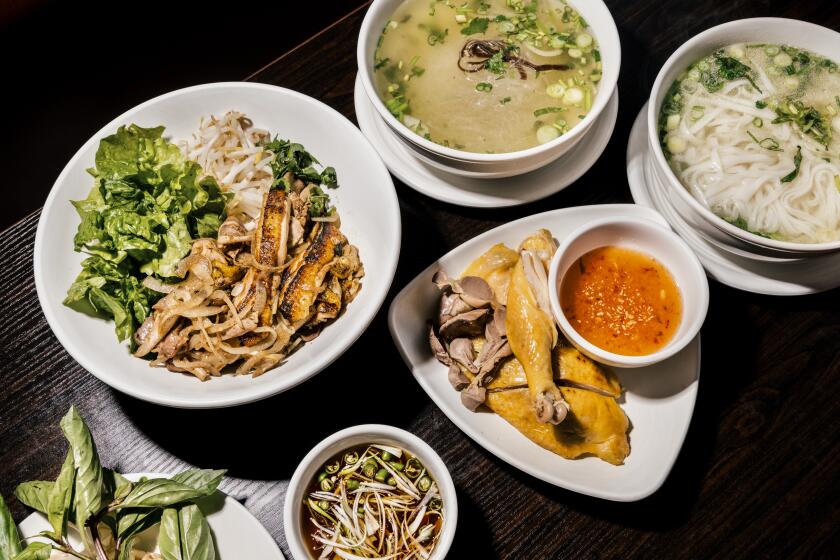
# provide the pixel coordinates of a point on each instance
(758, 476)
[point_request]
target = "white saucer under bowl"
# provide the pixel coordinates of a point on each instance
(483, 192)
(753, 273)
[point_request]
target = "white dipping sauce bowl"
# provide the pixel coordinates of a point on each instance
(472, 164)
(653, 240)
(781, 31)
(361, 435)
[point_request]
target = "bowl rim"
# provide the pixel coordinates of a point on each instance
(674, 184)
(407, 440)
(693, 324)
(390, 203)
(609, 29)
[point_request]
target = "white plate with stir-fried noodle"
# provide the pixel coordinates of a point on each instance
(236, 533)
(402, 485)
(241, 248)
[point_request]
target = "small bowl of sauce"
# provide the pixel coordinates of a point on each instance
(627, 292)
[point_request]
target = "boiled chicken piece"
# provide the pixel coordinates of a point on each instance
(530, 327)
(495, 266)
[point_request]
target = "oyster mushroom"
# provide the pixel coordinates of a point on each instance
(438, 348)
(461, 350)
(457, 378)
(467, 324)
(475, 291)
(473, 396)
(451, 305)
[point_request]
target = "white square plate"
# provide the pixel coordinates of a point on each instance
(659, 400)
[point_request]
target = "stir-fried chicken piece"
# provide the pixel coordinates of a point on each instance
(303, 281)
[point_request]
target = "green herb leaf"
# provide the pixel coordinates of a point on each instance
(10, 544)
(35, 494)
(291, 157)
(203, 480)
(185, 535)
(476, 25)
(160, 492)
(35, 551)
(61, 496)
(89, 478)
(807, 119)
(797, 161)
(505, 101)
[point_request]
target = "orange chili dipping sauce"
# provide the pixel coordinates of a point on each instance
(621, 300)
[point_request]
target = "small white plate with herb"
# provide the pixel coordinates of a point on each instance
(156, 516)
(483, 192)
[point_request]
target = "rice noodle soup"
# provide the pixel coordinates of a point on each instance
(490, 76)
(753, 132)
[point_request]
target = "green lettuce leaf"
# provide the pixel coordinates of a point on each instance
(147, 206)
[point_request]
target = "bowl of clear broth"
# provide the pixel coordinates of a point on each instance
(489, 88)
(744, 133)
(371, 491)
(627, 292)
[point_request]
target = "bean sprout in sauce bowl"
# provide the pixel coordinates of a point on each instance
(622, 300)
(373, 501)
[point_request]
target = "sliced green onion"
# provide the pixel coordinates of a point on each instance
(758, 122)
(547, 133)
(583, 40)
(575, 53)
(676, 144)
(556, 90)
(672, 122)
(547, 110)
(697, 112)
(484, 87)
(771, 50)
(782, 60)
(767, 143)
(573, 96)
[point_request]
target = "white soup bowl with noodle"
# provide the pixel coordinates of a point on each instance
(770, 31)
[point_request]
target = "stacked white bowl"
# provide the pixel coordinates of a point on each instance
(712, 228)
(472, 164)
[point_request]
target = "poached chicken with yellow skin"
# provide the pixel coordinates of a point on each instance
(498, 338)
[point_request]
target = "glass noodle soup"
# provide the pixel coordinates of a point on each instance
(753, 132)
(487, 76)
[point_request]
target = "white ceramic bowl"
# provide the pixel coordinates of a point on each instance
(360, 435)
(652, 239)
(374, 228)
(597, 15)
(766, 30)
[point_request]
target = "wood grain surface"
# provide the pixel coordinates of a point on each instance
(758, 476)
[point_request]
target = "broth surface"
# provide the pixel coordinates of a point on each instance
(622, 301)
(500, 103)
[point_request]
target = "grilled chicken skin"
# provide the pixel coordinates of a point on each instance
(303, 281)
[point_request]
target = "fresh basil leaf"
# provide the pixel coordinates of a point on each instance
(203, 480)
(159, 492)
(196, 538)
(185, 535)
(35, 494)
(9, 536)
(88, 485)
(35, 551)
(131, 521)
(61, 496)
(116, 485)
(169, 538)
